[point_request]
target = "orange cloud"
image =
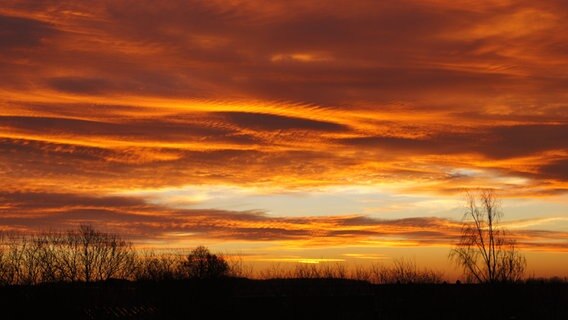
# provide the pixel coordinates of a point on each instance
(142, 221)
(420, 97)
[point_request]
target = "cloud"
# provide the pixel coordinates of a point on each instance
(38, 200)
(140, 221)
(495, 142)
(165, 130)
(511, 141)
(382, 52)
(275, 122)
(425, 97)
(23, 33)
(78, 85)
(556, 170)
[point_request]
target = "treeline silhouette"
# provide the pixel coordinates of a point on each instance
(402, 271)
(88, 274)
(78, 255)
(89, 255)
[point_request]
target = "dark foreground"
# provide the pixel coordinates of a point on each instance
(283, 299)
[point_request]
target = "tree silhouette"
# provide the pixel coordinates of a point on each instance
(202, 264)
(101, 256)
(159, 267)
(77, 255)
(486, 251)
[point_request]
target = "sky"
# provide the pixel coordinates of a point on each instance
(287, 131)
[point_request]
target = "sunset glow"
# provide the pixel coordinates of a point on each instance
(287, 132)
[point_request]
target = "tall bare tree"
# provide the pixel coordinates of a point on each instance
(486, 251)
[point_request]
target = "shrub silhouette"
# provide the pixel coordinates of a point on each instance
(202, 264)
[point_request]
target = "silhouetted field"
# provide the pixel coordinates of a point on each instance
(237, 298)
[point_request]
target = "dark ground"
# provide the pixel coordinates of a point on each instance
(283, 299)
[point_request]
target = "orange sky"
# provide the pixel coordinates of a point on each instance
(287, 130)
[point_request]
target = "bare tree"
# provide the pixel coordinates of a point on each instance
(307, 271)
(158, 267)
(11, 256)
(26, 260)
(237, 266)
(275, 271)
(486, 251)
(333, 270)
(70, 257)
(404, 271)
(79, 255)
(100, 256)
(361, 272)
(202, 264)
